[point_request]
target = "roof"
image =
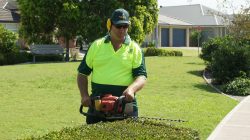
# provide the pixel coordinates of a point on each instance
(9, 16)
(11, 5)
(8, 11)
(196, 14)
(164, 20)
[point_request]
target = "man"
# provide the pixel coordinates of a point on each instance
(116, 63)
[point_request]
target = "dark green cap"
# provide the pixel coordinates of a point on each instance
(120, 16)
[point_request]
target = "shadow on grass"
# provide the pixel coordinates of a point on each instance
(193, 63)
(196, 73)
(206, 87)
(51, 62)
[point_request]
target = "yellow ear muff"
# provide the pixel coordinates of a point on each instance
(108, 24)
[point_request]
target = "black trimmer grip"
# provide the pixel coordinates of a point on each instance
(83, 113)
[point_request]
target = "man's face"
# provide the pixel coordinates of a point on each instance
(119, 31)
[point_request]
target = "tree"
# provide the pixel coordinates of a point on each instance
(143, 16)
(42, 19)
(68, 23)
(239, 27)
(38, 20)
(93, 17)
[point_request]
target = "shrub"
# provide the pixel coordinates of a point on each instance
(9, 51)
(151, 44)
(239, 86)
(14, 58)
(209, 47)
(7, 40)
(2, 59)
(229, 62)
(152, 51)
(226, 58)
(167, 53)
(125, 130)
(47, 58)
(194, 37)
(177, 53)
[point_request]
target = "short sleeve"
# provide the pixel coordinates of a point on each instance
(139, 68)
(86, 65)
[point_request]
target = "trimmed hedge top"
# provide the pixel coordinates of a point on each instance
(126, 130)
(151, 51)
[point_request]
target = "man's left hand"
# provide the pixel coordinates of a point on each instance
(129, 94)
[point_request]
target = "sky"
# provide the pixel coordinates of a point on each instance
(232, 6)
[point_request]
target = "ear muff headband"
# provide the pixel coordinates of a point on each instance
(108, 24)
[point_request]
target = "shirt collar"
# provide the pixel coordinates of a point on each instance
(126, 41)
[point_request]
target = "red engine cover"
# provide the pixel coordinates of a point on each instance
(108, 103)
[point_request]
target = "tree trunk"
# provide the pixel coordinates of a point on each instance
(67, 50)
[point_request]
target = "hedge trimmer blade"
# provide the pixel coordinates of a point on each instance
(160, 119)
(123, 116)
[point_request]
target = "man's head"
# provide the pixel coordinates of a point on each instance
(120, 17)
(119, 24)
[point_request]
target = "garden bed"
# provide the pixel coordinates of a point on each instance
(208, 78)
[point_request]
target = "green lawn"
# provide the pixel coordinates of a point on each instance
(38, 98)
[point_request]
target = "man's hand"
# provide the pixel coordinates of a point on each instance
(82, 81)
(129, 94)
(86, 101)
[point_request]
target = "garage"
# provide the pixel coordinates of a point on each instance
(179, 37)
(164, 37)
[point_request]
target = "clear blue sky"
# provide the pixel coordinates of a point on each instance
(229, 7)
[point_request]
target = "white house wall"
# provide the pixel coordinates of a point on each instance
(11, 26)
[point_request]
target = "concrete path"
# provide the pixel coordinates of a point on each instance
(236, 125)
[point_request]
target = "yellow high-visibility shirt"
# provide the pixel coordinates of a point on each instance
(110, 67)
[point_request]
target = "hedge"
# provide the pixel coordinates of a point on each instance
(14, 58)
(125, 130)
(152, 51)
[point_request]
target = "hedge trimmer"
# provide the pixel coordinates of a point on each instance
(115, 108)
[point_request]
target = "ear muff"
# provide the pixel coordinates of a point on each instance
(108, 24)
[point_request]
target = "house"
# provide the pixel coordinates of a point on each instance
(175, 24)
(9, 15)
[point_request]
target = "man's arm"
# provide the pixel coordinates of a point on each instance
(82, 81)
(137, 85)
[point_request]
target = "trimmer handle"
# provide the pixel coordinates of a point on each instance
(80, 110)
(85, 113)
(122, 98)
(92, 102)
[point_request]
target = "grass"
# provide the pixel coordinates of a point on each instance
(39, 98)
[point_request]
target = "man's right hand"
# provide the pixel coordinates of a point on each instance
(82, 82)
(86, 101)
